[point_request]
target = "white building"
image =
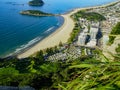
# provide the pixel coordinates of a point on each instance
(93, 33)
(105, 39)
(92, 43)
(81, 39)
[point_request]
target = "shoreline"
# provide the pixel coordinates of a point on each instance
(62, 34)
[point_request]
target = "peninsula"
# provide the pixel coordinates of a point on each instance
(35, 13)
(36, 3)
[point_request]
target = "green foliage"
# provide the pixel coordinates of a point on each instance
(31, 66)
(115, 31)
(35, 13)
(91, 16)
(8, 71)
(49, 51)
(22, 66)
(111, 39)
(6, 75)
(118, 49)
(81, 74)
(117, 56)
(49, 67)
(41, 82)
(102, 76)
(8, 63)
(82, 66)
(60, 44)
(40, 56)
(74, 33)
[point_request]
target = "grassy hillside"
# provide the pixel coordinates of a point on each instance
(81, 74)
(91, 16)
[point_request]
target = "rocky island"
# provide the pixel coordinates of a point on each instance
(36, 3)
(35, 13)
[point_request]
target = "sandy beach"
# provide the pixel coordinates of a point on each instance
(62, 34)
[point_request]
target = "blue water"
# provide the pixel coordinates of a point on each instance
(18, 32)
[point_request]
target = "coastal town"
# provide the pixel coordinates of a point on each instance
(82, 54)
(91, 34)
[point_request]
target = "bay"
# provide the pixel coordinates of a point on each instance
(18, 32)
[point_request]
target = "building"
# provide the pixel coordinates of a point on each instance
(92, 43)
(82, 39)
(93, 33)
(93, 36)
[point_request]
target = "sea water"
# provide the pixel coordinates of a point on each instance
(18, 32)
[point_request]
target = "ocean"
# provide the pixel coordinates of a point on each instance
(18, 32)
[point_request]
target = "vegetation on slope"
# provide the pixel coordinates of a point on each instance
(117, 56)
(36, 3)
(91, 16)
(118, 49)
(115, 31)
(81, 74)
(74, 33)
(93, 76)
(35, 13)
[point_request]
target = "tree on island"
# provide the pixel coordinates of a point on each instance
(35, 13)
(36, 3)
(60, 44)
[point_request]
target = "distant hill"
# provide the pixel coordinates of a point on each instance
(36, 3)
